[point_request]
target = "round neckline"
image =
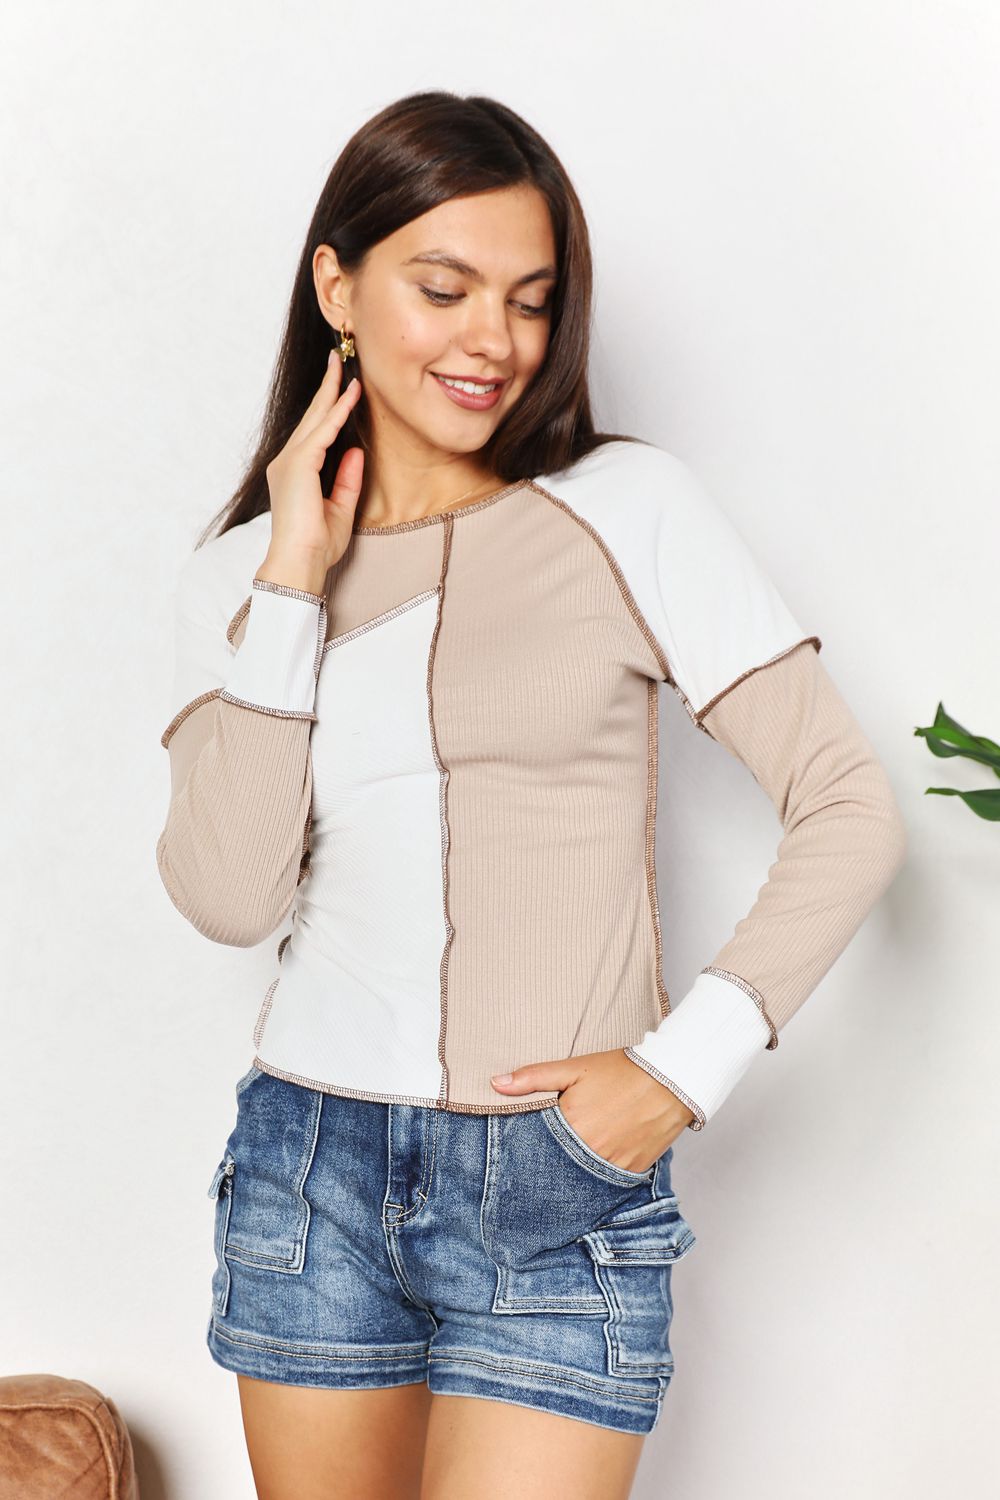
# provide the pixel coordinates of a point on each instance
(442, 515)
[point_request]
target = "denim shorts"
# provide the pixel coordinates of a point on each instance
(361, 1243)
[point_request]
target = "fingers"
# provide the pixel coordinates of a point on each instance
(347, 484)
(326, 395)
(323, 431)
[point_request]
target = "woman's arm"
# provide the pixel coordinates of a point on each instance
(748, 674)
(235, 841)
(844, 841)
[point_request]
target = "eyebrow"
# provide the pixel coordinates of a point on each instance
(443, 258)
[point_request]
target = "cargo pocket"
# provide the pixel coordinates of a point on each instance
(262, 1213)
(220, 1190)
(542, 1193)
(632, 1257)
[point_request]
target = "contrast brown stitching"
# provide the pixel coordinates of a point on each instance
(306, 857)
(234, 623)
(446, 515)
(699, 1120)
(281, 713)
(618, 576)
(182, 714)
(389, 614)
(291, 593)
(812, 640)
(442, 799)
(385, 1098)
(219, 692)
(499, 1109)
(755, 996)
(695, 715)
(320, 638)
(265, 1011)
(652, 762)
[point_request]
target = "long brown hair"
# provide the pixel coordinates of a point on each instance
(416, 153)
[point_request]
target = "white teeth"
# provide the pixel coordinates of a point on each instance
(468, 385)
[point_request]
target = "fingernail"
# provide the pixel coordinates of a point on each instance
(502, 1077)
(329, 357)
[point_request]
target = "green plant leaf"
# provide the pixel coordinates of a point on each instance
(984, 804)
(946, 738)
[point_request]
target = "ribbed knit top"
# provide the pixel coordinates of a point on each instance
(445, 767)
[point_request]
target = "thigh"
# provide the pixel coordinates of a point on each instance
(311, 1443)
(492, 1450)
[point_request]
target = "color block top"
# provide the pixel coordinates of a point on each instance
(446, 766)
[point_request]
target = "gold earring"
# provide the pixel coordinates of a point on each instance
(346, 346)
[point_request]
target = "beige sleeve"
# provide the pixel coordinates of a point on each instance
(843, 842)
(235, 843)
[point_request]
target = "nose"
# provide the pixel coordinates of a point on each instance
(487, 331)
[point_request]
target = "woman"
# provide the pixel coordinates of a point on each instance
(416, 703)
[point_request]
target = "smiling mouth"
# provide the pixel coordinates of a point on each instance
(470, 386)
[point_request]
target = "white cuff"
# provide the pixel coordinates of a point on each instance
(704, 1045)
(277, 663)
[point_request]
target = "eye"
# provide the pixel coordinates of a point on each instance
(440, 298)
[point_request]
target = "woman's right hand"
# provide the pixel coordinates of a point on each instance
(310, 532)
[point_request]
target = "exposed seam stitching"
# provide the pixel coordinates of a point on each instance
(619, 577)
(281, 713)
(443, 516)
(182, 714)
(806, 640)
(235, 622)
(380, 1096)
(698, 1122)
(288, 590)
(388, 614)
(755, 996)
(443, 777)
(652, 705)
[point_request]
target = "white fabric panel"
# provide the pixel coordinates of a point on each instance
(275, 665)
(211, 585)
(708, 603)
(359, 997)
(706, 1042)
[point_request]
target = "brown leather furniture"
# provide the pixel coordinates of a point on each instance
(62, 1437)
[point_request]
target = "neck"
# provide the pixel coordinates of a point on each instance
(425, 498)
(400, 490)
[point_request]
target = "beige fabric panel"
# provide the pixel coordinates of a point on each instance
(843, 831)
(231, 851)
(376, 573)
(235, 843)
(545, 839)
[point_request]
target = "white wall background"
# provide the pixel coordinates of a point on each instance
(796, 225)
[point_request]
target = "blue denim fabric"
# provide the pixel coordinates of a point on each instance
(360, 1243)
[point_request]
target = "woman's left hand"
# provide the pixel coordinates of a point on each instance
(619, 1109)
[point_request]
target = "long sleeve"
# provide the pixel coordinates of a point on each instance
(749, 676)
(843, 842)
(235, 841)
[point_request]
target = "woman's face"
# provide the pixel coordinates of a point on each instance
(416, 317)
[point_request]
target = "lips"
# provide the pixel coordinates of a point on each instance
(474, 379)
(469, 400)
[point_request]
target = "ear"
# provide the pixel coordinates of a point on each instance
(332, 287)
